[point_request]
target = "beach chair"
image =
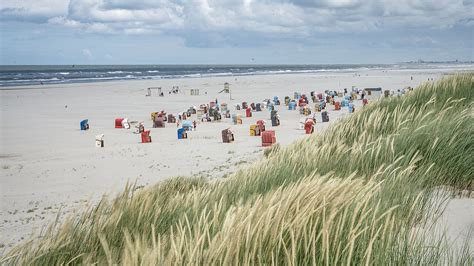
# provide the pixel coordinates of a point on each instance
(270, 106)
(146, 138)
(317, 107)
(200, 114)
(309, 126)
(328, 98)
(162, 114)
(261, 125)
(301, 101)
(171, 118)
(99, 141)
(159, 122)
(227, 136)
(248, 112)
(224, 107)
(351, 108)
(354, 96)
(325, 116)
(276, 101)
(182, 133)
(118, 122)
(139, 128)
(125, 123)
(322, 105)
(306, 110)
(84, 124)
(292, 105)
(275, 119)
(254, 130)
(268, 138)
(203, 107)
(344, 103)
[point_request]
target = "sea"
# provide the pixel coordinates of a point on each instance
(19, 75)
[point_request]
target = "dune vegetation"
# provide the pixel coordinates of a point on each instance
(360, 192)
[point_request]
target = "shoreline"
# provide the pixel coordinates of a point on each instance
(436, 69)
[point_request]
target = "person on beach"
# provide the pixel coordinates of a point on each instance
(194, 125)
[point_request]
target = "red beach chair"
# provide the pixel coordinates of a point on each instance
(146, 138)
(309, 126)
(261, 125)
(248, 112)
(118, 122)
(268, 138)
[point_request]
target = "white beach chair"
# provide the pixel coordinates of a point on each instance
(99, 141)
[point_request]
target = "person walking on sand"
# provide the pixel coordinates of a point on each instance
(194, 125)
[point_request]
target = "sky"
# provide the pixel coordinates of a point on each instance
(234, 31)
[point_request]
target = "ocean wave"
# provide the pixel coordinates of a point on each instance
(33, 75)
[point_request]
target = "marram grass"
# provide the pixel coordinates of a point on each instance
(358, 193)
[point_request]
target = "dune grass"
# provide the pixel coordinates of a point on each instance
(357, 193)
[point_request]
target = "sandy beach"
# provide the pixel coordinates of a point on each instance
(49, 167)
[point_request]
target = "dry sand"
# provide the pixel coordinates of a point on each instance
(49, 166)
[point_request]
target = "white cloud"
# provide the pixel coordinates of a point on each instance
(33, 10)
(86, 27)
(268, 17)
